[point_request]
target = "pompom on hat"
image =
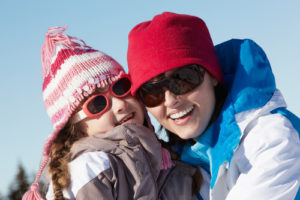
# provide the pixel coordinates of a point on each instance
(71, 71)
(167, 42)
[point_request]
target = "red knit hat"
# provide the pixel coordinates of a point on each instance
(168, 42)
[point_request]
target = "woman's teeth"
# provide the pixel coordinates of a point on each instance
(182, 113)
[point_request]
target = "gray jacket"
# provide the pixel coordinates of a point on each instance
(125, 164)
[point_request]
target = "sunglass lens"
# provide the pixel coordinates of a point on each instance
(151, 97)
(185, 80)
(97, 104)
(122, 87)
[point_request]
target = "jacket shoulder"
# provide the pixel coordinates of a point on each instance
(82, 170)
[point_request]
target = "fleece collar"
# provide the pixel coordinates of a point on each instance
(250, 83)
(123, 138)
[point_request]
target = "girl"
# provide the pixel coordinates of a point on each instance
(223, 102)
(99, 148)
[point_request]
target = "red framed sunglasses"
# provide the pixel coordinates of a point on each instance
(98, 104)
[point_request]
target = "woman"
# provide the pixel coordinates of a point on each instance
(223, 102)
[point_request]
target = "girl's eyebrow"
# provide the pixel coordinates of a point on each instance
(102, 90)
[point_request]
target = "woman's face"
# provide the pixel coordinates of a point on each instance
(187, 115)
(121, 111)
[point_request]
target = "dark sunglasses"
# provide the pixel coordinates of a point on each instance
(98, 104)
(181, 81)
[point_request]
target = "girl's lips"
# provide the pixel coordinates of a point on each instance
(125, 119)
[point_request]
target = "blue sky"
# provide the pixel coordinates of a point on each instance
(104, 25)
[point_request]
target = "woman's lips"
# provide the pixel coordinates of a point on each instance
(182, 117)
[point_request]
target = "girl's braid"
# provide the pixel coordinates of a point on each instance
(60, 157)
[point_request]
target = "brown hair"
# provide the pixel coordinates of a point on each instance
(60, 157)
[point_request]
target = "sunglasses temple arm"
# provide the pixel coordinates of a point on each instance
(79, 116)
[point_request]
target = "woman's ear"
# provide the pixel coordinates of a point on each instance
(213, 80)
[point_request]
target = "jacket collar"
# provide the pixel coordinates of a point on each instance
(130, 136)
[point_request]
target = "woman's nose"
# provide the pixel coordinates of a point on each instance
(170, 99)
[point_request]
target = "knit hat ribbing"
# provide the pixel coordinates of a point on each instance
(167, 42)
(71, 72)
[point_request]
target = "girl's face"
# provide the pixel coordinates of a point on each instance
(187, 115)
(120, 111)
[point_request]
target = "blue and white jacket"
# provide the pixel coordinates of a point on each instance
(252, 151)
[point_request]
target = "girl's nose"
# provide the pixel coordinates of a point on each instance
(170, 99)
(118, 105)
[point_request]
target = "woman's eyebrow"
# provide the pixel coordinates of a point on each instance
(157, 78)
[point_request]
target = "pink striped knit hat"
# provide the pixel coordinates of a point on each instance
(71, 71)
